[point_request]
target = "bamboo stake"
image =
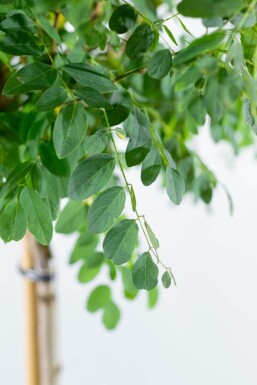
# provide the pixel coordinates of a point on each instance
(42, 366)
(31, 320)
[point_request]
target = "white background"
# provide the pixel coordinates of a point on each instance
(202, 332)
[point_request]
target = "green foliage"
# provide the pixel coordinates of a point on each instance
(70, 129)
(106, 208)
(145, 272)
(73, 101)
(120, 241)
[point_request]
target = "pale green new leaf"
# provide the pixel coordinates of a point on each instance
(99, 298)
(106, 208)
(70, 129)
(87, 274)
(111, 315)
(145, 272)
(152, 236)
(39, 216)
(120, 241)
(71, 218)
(90, 176)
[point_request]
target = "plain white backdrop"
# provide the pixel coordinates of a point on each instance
(202, 332)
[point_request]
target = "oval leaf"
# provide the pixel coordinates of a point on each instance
(70, 129)
(13, 222)
(88, 76)
(21, 43)
(120, 241)
(160, 63)
(140, 41)
(145, 272)
(111, 315)
(99, 298)
(39, 216)
(175, 185)
(37, 76)
(122, 19)
(52, 98)
(166, 279)
(90, 176)
(92, 97)
(106, 208)
(151, 167)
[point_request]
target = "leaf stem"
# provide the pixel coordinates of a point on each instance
(130, 188)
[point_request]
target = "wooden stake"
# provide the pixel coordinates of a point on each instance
(42, 366)
(31, 319)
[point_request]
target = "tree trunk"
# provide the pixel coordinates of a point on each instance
(41, 364)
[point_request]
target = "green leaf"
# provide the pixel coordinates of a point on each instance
(14, 179)
(13, 222)
(175, 185)
(90, 176)
(121, 106)
(92, 97)
(84, 247)
(151, 167)
(140, 41)
(99, 298)
(145, 272)
(48, 187)
(135, 155)
(21, 43)
(106, 208)
(18, 22)
(120, 132)
(197, 47)
(130, 290)
(70, 129)
(152, 236)
(133, 198)
(153, 297)
(52, 162)
(111, 315)
(170, 34)
(87, 274)
(96, 143)
(122, 19)
(39, 216)
(160, 63)
(88, 76)
(137, 127)
(49, 29)
(52, 98)
(71, 218)
(36, 76)
(209, 8)
(120, 241)
(166, 279)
